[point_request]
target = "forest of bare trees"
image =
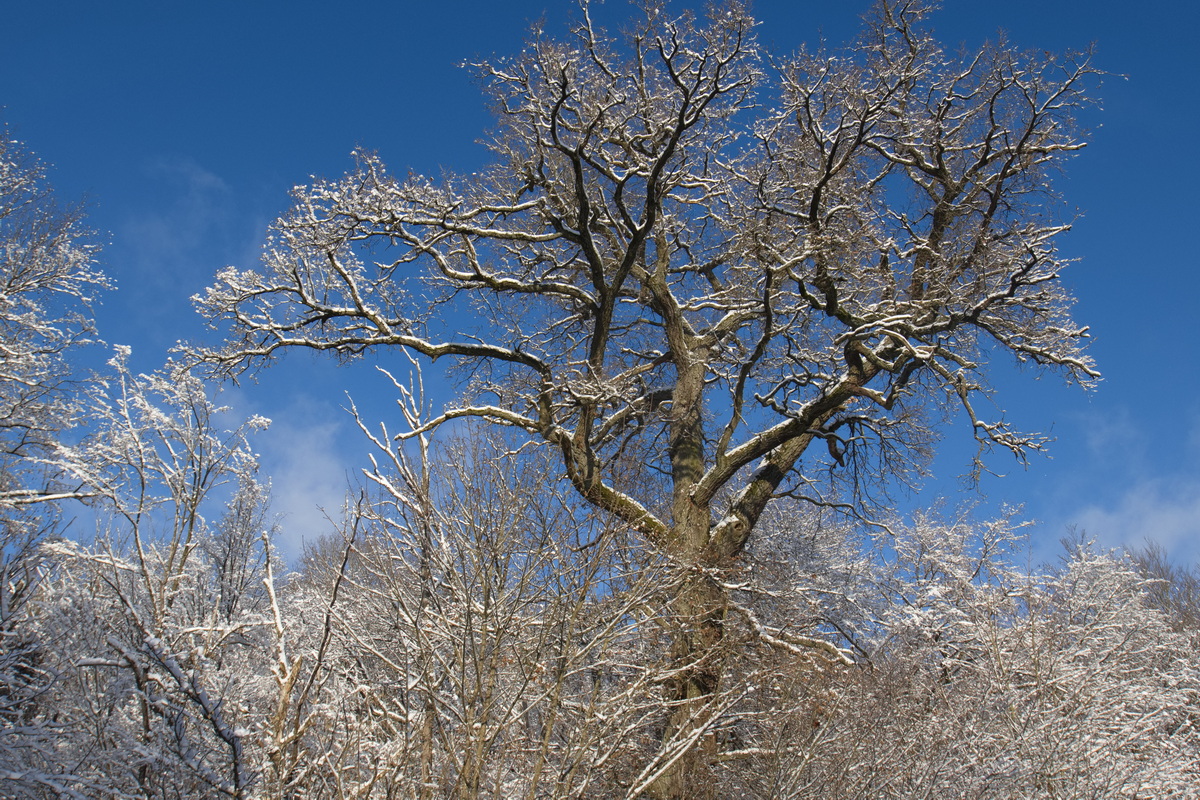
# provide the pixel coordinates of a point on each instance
(706, 315)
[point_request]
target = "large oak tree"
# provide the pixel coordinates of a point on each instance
(706, 274)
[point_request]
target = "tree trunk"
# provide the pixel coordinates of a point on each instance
(697, 661)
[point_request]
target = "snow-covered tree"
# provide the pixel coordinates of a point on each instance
(707, 275)
(470, 632)
(983, 681)
(160, 623)
(48, 279)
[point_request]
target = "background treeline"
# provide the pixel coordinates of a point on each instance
(468, 631)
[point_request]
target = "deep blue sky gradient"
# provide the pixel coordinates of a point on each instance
(184, 126)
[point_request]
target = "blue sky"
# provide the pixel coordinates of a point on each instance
(185, 124)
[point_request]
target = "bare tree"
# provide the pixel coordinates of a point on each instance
(707, 276)
(1172, 588)
(472, 633)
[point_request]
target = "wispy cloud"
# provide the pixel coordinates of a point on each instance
(184, 204)
(1140, 483)
(1131, 478)
(1166, 511)
(305, 455)
(308, 476)
(187, 223)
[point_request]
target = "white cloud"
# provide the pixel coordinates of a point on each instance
(1165, 511)
(308, 480)
(1137, 479)
(304, 454)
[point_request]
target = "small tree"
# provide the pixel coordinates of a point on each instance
(160, 625)
(459, 645)
(707, 276)
(47, 280)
